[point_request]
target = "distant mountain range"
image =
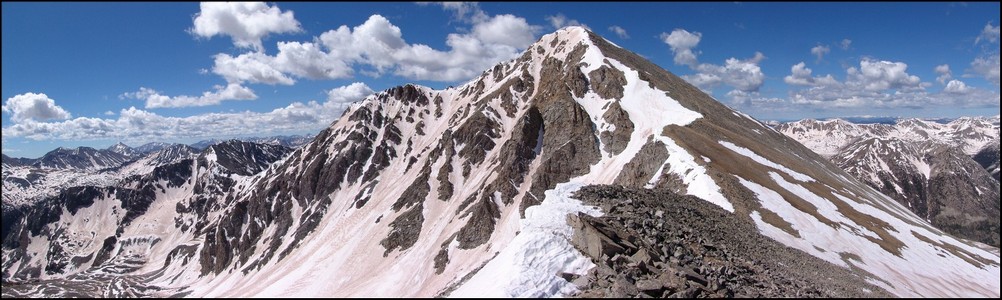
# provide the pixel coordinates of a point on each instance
(26, 180)
(86, 158)
(946, 173)
(293, 141)
(887, 120)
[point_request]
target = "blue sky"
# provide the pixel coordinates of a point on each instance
(93, 74)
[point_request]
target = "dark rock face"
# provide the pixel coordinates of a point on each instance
(477, 138)
(608, 82)
(406, 230)
(175, 174)
(569, 145)
(229, 242)
(20, 182)
(639, 169)
(173, 153)
(480, 227)
(988, 158)
(964, 198)
(245, 158)
(16, 162)
(615, 141)
(407, 226)
(445, 187)
(655, 243)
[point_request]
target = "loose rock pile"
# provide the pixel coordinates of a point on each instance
(655, 243)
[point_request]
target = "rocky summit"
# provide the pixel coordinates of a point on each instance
(575, 169)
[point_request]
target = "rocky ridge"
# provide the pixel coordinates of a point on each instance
(656, 243)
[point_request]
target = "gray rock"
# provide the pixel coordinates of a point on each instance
(649, 285)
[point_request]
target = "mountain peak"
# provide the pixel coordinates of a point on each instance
(560, 42)
(119, 147)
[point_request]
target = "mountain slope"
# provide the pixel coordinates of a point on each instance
(467, 191)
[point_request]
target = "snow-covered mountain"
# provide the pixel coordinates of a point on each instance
(291, 141)
(25, 184)
(925, 165)
(827, 137)
(936, 181)
(123, 150)
(152, 147)
(473, 191)
(113, 228)
(80, 158)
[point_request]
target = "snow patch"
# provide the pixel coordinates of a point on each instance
(529, 265)
(697, 182)
(765, 162)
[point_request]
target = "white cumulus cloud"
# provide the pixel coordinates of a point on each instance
(245, 22)
(987, 67)
(879, 75)
(619, 31)
(560, 21)
(846, 43)
(944, 73)
(254, 67)
(681, 43)
(465, 11)
(989, 34)
(800, 74)
(881, 84)
(820, 51)
(377, 47)
(349, 93)
(138, 125)
(744, 75)
(956, 87)
(987, 63)
(30, 107)
(154, 99)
